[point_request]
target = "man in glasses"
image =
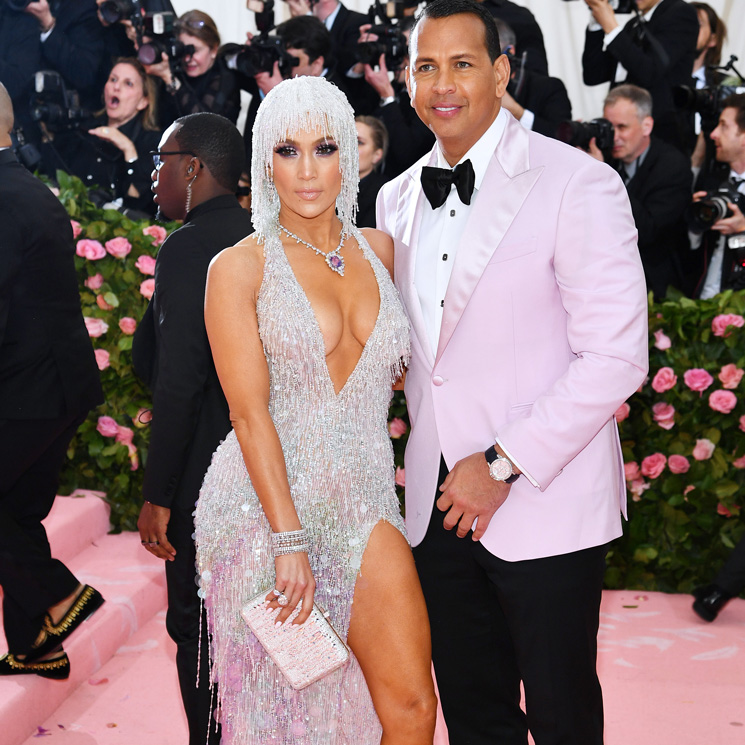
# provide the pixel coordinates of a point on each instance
(195, 178)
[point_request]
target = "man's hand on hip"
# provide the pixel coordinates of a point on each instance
(470, 493)
(153, 524)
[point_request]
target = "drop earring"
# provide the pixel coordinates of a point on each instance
(188, 193)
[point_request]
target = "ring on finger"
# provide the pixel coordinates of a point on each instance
(282, 600)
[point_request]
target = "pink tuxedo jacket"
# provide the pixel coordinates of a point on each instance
(544, 335)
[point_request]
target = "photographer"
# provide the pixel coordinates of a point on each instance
(113, 153)
(528, 34)
(540, 103)
(199, 80)
(372, 144)
(718, 224)
(71, 43)
(658, 181)
(654, 50)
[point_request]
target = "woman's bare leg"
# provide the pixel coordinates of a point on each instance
(389, 635)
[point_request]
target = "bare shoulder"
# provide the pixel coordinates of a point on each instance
(382, 244)
(241, 265)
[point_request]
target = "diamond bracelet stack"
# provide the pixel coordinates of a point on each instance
(290, 542)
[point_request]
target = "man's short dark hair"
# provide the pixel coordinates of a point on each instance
(217, 142)
(306, 33)
(447, 8)
(736, 101)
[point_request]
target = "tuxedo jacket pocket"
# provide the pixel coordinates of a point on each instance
(513, 250)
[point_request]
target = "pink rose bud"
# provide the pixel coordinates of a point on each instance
(722, 510)
(678, 464)
(107, 426)
(400, 476)
(637, 488)
(146, 264)
(124, 435)
(704, 449)
(721, 323)
(688, 489)
(742, 424)
(96, 327)
(102, 304)
(76, 229)
(622, 412)
(147, 288)
(94, 282)
(661, 340)
(397, 427)
(730, 376)
(142, 418)
(156, 232)
(102, 359)
(89, 249)
(697, 379)
(134, 461)
(631, 471)
(664, 415)
(664, 380)
(723, 401)
(127, 325)
(118, 247)
(740, 462)
(653, 465)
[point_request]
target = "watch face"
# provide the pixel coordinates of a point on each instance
(500, 469)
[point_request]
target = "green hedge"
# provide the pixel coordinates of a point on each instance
(684, 511)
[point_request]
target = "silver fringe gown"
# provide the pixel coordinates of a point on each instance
(339, 462)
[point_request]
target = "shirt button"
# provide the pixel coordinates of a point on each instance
(442, 303)
(438, 380)
(444, 257)
(452, 213)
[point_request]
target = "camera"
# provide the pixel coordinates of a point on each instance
(713, 207)
(113, 11)
(260, 56)
(54, 105)
(705, 101)
(391, 42)
(579, 134)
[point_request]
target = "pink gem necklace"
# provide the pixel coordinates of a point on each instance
(334, 260)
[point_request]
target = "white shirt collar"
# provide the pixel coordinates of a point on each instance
(481, 151)
(329, 22)
(648, 15)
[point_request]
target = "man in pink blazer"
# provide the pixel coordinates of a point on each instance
(527, 302)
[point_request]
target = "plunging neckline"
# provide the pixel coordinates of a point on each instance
(317, 326)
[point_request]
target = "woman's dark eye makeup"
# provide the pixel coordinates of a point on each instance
(323, 148)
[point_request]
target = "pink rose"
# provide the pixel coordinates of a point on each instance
(156, 232)
(124, 435)
(637, 488)
(723, 401)
(678, 464)
(730, 375)
(107, 426)
(704, 449)
(118, 247)
(76, 229)
(720, 323)
(664, 380)
(397, 427)
(722, 510)
(146, 264)
(740, 462)
(401, 476)
(662, 341)
(142, 418)
(631, 471)
(742, 423)
(94, 282)
(102, 359)
(96, 327)
(664, 415)
(127, 325)
(653, 465)
(622, 412)
(697, 379)
(102, 304)
(89, 249)
(147, 288)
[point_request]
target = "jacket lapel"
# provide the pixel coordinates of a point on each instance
(506, 185)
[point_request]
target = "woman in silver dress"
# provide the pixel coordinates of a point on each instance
(308, 336)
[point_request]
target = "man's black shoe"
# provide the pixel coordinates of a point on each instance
(710, 599)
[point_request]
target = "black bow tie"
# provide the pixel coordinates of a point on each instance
(436, 183)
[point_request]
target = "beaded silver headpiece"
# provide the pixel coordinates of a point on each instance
(302, 103)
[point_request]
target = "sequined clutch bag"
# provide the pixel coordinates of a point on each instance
(303, 654)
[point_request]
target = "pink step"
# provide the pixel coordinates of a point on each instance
(76, 522)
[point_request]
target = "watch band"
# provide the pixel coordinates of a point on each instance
(491, 455)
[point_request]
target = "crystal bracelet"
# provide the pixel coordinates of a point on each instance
(290, 542)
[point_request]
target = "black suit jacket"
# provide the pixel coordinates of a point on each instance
(547, 98)
(47, 366)
(171, 353)
(660, 193)
(345, 32)
(528, 35)
(658, 63)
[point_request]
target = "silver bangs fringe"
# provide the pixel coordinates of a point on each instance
(303, 103)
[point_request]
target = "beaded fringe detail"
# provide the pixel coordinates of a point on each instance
(339, 463)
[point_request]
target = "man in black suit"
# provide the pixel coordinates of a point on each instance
(655, 50)
(527, 31)
(658, 181)
(49, 382)
(195, 180)
(539, 102)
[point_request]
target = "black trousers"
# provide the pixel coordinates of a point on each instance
(183, 624)
(496, 623)
(731, 576)
(32, 453)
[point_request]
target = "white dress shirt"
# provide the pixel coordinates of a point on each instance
(441, 229)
